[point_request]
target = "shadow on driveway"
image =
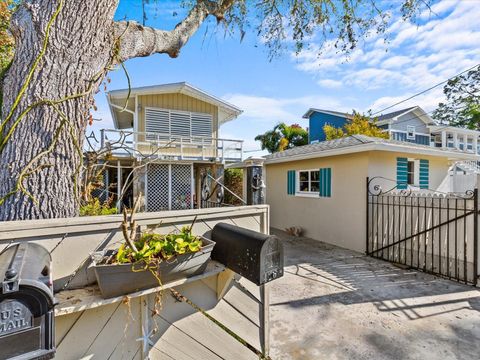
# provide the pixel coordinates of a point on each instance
(334, 303)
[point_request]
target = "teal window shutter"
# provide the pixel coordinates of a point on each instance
(291, 182)
(424, 178)
(402, 176)
(325, 182)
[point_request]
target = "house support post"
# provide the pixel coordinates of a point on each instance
(475, 144)
(119, 186)
(444, 139)
(455, 140)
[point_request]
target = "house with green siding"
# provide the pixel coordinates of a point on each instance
(322, 187)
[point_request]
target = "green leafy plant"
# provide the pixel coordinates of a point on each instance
(153, 248)
(149, 249)
(95, 208)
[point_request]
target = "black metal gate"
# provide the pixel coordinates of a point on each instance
(425, 230)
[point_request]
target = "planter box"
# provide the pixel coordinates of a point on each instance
(120, 279)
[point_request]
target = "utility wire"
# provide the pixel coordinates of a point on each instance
(426, 90)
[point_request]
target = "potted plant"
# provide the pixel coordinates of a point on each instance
(147, 260)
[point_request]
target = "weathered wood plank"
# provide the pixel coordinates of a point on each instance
(83, 333)
(38, 228)
(170, 341)
(204, 330)
(128, 347)
(71, 301)
(63, 325)
(114, 332)
(250, 287)
(247, 305)
(251, 222)
(237, 321)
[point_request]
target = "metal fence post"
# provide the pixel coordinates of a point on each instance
(367, 233)
(475, 236)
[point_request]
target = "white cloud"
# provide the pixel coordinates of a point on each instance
(417, 56)
(330, 83)
(427, 101)
(270, 109)
(262, 113)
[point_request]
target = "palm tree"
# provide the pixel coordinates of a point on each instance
(283, 137)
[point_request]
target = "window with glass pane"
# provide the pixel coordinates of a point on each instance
(314, 181)
(410, 172)
(308, 181)
(303, 180)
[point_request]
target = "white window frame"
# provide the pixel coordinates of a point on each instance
(189, 113)
(306, 193)
(416, 173)
(411, 132)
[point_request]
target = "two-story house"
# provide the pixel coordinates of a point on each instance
(412, 124)
(164, 143)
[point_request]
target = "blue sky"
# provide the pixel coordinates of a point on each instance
(377, 74)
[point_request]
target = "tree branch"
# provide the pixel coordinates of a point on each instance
(135, 40)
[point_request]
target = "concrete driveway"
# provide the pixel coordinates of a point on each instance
(334, 303)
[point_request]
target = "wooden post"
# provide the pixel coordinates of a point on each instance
(119, 186)
(265, 319)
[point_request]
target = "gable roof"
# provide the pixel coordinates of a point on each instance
(359, 143)
(393, 114)
(330, 112)
(227, 111)
(381, 119)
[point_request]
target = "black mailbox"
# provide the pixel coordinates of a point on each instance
(26, 303)
(255, 256)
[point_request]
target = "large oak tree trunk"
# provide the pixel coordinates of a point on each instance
(80, 47)
(83, 43)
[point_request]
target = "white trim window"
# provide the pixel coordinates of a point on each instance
(410, 132)
(308, 181)
(188, 125)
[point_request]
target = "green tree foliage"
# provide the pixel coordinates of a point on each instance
(358, 125)
(6, 40)
(462, 107)
(233, 180)
(283, 137)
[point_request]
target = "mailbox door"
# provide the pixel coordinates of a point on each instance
(271, 260)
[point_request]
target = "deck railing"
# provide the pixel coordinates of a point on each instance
(418, 138)
(136, 143)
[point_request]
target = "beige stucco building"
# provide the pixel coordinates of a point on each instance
(322, 187)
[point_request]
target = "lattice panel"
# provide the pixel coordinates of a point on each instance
(157, 187)
(181, 186)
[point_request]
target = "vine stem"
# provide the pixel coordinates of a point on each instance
(24, 173)
(34, 66)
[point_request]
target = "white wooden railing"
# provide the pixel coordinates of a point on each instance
(135, 143)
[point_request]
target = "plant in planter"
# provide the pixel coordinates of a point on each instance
(147, 260)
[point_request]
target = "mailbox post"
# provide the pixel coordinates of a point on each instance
(26, 303)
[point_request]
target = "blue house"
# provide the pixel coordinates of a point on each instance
(412, 125)
(319, 118)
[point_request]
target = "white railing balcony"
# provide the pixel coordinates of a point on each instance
(170, 147)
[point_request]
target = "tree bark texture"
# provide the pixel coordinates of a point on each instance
(79, 48)
(84, 42)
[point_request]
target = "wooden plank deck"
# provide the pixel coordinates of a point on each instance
(89, 297)
(90, 327)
